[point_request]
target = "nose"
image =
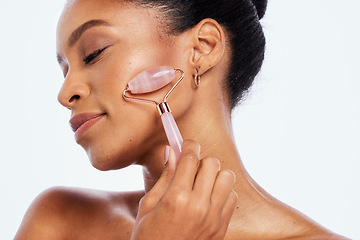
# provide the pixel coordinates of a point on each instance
(72, 91)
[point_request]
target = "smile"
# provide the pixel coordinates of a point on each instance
(82, 122)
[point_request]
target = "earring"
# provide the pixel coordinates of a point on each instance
(197, 78)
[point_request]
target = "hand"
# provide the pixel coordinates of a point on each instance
(193, 200)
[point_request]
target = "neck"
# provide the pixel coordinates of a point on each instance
(212, 129)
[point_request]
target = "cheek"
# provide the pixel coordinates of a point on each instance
(126, 134)
(132, 129)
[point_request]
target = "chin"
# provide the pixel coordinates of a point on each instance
(106, 164)
(100, 165)
(105, 161)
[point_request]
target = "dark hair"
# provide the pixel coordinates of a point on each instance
(240, 19)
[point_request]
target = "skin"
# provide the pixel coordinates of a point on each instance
(191, 199)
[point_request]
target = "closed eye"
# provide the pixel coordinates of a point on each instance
(92, 56)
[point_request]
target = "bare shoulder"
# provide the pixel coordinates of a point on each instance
(75, 213)
(320, 236)
(305, 228)
(272, 219)
(311, 230)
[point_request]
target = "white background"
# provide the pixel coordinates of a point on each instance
(298, 131)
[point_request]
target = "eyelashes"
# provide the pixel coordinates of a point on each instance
(89, 59)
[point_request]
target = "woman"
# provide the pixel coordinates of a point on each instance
(220, 46)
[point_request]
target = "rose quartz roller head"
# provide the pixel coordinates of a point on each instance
(152, 80)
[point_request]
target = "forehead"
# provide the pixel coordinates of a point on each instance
(123, 15)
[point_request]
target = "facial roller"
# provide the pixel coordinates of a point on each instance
(152, 80)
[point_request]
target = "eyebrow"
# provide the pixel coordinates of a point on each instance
(76, 34)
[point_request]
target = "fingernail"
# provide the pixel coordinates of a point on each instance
(167, 153)
(237, 196)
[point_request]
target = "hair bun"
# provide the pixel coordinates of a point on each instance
(260, 7)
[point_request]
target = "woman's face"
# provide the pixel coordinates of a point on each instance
(101, 45)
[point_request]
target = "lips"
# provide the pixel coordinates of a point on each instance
(82, 119)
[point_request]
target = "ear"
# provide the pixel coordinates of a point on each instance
(208, 45)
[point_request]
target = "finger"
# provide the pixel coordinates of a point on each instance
(227, 213)
(218, 222)
(205, 178)
(222, 187)
(229, 207)
(187, 166)
(151, 199)
(166, 177)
